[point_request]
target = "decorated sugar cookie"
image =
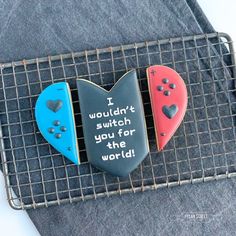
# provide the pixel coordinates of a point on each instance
(168, 95)
(114, 124)
(55, 119)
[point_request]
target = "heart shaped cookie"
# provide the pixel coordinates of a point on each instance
(168, 95)
(114, 124)
(55, 118)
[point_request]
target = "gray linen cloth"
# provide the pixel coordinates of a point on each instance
(37, 28)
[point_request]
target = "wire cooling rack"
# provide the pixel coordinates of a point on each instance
(202, 149)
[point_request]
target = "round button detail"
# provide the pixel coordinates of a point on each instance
(51, 130)
(167, 93)
(63, 128)
(172, 86)
(159, 88)
(56, 122)
(163, 134)
(165, 81)
(58, 135)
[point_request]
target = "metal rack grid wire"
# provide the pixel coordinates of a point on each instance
(203, 148)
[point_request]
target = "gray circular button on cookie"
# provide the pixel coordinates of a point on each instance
(167, 93)
(63, 128)
(159, 88)
(56, 122)
(51, 130)
(165, 81)
(58, 135)
(172, 86)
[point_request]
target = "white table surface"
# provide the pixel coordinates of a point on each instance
(221, 14)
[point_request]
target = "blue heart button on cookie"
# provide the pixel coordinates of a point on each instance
(114, 124)
(55, 118)
(54, 105)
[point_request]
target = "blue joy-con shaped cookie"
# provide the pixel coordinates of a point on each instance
(55, 119)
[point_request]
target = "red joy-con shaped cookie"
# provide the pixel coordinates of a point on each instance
(168, 96)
